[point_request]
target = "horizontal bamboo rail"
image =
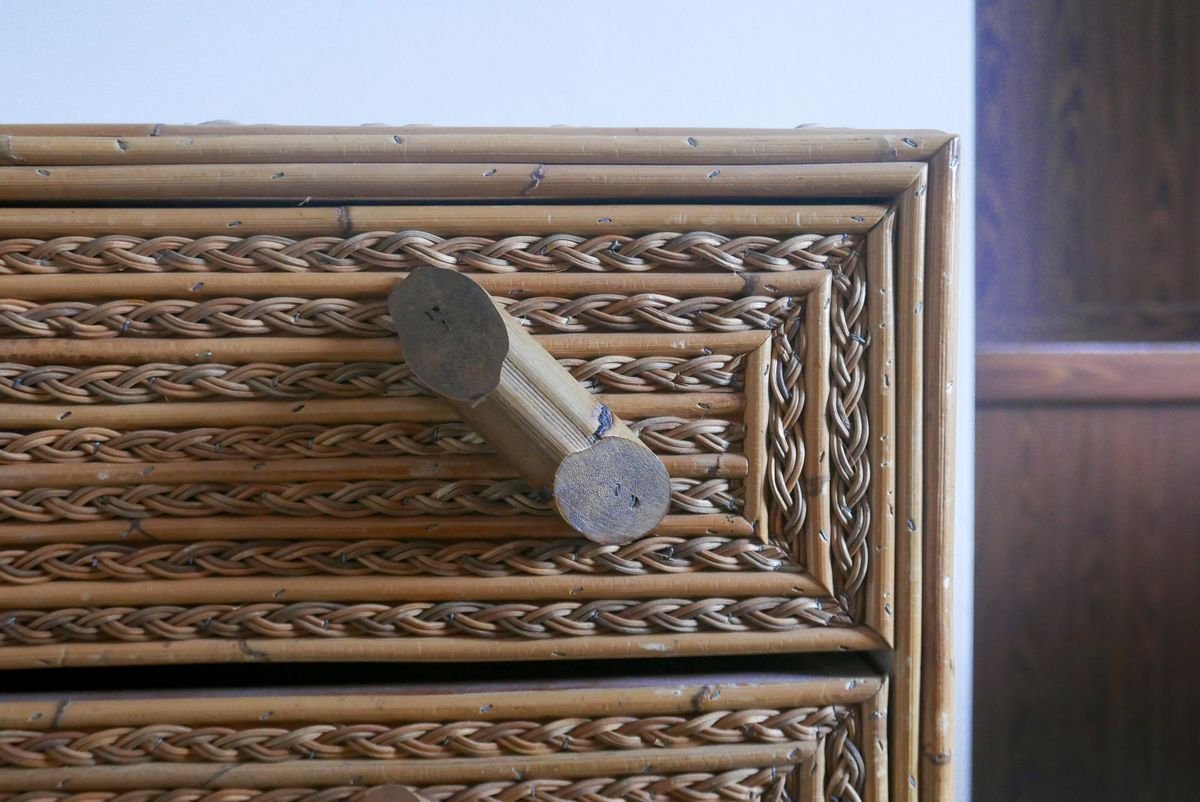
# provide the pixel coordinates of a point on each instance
(207, 650)
(286, 590)
(282, 527)
(321, 773)
(190, 143)
(358, 285)
(590, 698)
(630, 406)
(296, 350)
(454, 466)
(447, 221)
(305, 183)
(366, 146)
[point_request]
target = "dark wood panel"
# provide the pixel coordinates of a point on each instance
(1088, 169)
(1092, 372)
(1088, 585)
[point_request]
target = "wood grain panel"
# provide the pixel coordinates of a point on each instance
(1096, 372)
(1086, 639)
(1088, 173)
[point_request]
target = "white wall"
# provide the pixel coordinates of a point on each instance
(738, 63)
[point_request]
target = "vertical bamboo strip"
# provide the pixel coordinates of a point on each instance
(816, 432)
(881, 410)
(941, 327)
(809, 779)
(906, 668)
(758, 400)
(873, 741)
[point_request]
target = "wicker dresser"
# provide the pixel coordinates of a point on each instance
(212, 451)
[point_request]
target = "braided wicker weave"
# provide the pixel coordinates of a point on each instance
(139, 384)
(785, 455)
(405, 250)
(762, 785)
(421, 740)
(516, 557)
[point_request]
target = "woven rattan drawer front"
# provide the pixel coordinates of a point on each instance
(212, 449)
(798, 736)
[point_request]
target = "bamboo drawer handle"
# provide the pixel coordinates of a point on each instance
(605, 483)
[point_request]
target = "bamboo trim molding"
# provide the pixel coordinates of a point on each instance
(276, 527)
(823, 684)
(909, 516)
(1085, 373)
(941, 321)
(137, 143)
(484, 220)
(307, 183)
(603, 647)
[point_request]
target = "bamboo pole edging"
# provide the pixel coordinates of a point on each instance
(298, 350)
(910, 306)
(774, 148)
(129, 144)
(816, 470)
(453, 649)
(282, 527)
(307, 183)
(483, 220)
(70, 286)
(312, 469)
(881, 360)
(366, 146)
(359, 410)
(491, 702)
(288, 590)
(941, 321)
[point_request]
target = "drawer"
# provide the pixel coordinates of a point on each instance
(802, 736)
(211, 448)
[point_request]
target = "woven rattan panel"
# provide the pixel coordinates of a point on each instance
(802, 737)
(216, 438)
